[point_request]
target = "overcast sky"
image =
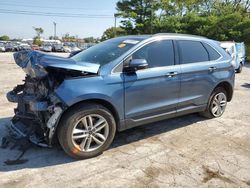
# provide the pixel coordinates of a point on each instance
(21, 25)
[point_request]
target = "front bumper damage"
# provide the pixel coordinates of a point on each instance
(38, 107)
(34, 119)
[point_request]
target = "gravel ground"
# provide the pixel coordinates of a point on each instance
(189, 151)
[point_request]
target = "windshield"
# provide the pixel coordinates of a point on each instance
(107, 51)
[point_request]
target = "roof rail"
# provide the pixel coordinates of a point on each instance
(178, 34)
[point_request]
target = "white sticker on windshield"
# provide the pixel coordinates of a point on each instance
(130, 41)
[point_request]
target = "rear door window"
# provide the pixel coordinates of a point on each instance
(192, 52)
(213, 54)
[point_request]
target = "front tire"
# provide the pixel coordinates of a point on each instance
(217, 104)
(86, 130)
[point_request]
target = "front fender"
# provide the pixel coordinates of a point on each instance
(72, 91)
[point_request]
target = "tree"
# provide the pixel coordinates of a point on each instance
(37, 41)
(216, 19)
(67, 38)
(89, 40)
(138, 15)
(113, 32)
(4, 38)
(38, 31)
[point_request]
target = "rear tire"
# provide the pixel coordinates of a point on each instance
(86, 130)
(239, 70)
(217, 104)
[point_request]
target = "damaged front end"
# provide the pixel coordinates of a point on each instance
(37, 112)
(38, 107)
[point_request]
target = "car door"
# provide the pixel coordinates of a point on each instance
(199, 74)
(152, 93)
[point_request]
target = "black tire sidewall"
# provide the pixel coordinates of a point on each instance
(239, 70)
(241, 66)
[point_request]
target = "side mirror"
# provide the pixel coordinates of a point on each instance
(136, 64)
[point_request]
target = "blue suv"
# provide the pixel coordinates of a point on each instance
(115, 85)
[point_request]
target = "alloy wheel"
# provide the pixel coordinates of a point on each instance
(90, 132)
(219, 104)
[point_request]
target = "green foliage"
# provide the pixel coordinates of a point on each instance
(113, 32)
(217, 19)
(4, 38)
(38, 31)
(90, 40)
(248, 53)
(37, 41)
(138, 15)
(68, 38)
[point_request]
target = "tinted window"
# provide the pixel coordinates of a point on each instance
(213, 55)
(157, 54)
(192, 51)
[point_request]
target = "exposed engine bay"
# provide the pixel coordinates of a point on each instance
(38, 108)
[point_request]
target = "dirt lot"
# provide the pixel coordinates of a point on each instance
(188, 151)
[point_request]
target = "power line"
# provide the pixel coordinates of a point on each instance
(47, 7)
(7, 11)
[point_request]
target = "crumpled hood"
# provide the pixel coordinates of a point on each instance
(34, 63)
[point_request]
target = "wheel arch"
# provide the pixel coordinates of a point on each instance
(102, 102)
(228, 87)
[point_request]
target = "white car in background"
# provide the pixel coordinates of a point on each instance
(47, 48)
(2, 48)
(67, 49)
(70, 47)
(230, 48)
(24, 46)
(75, 48)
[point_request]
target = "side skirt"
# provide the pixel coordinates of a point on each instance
(130, 123)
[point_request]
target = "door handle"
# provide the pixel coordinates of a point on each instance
(171, 74)
(211, 69)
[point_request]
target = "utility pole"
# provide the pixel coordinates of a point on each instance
(54, 30)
